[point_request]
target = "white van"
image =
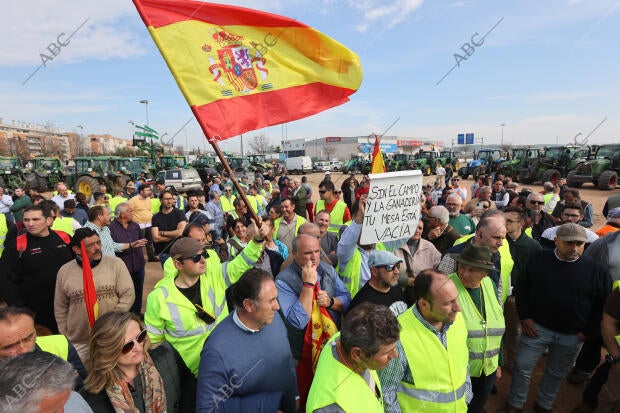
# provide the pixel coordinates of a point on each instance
(182, 180)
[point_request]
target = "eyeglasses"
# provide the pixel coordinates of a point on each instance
(322, 191)
(167, 199)
(203, 315)
(228, 190)
(389, 267)
(537, 202)
(571, 215)
(127, 347)
(338, 192)
(196, 258)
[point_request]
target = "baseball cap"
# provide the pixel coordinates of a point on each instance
(571, 232)
(612, 214)
(379, 258)
(185, 247)
(198, 218)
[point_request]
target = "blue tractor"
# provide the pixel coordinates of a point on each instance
(485, 161)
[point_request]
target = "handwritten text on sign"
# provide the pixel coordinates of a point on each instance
(393, 206)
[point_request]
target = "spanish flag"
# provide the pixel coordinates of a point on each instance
(318, 331)
(378, 166)
(241, 69)
(90, 292)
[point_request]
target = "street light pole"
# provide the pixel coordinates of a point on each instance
(146, 108)
(502, 125)
(81, 139)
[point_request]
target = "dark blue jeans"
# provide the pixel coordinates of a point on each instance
(138, 283)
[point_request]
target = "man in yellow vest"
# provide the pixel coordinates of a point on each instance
(490, 232)
(609, 395)
(4, 228)
(484, 319)
(227, 199)
(346, 379)
(426, 377)
(184, 309)
(339, 211)
(18, 336)
(65, 224)
(287, 226)
(119, 198)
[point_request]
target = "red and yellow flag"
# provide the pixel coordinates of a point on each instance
(378, 166)
(90, 292)
(241, 69)
(320, 328)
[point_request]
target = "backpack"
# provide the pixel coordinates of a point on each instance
(22, 241)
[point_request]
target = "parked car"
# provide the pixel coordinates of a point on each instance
(335, 166)
(182, 180)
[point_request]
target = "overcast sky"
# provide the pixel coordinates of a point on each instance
(547, 70)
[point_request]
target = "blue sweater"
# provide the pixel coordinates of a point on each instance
(242, 371)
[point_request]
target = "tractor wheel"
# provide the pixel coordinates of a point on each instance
(32, 180)
(42, 184)
(607, 180)
(571, 182)
(477, 171)
(120, 183)
(87, 185)
(551, 175)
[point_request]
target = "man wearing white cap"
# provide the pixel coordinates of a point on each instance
(382, 288)
(561, 320)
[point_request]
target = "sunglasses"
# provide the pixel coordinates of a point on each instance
(228, 190)
(537, 202)
(203, 315)
(389, 267)
(127, 347)
(322, 191)
(338, 192)
(195, 258)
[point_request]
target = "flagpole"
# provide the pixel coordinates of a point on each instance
(240, 191)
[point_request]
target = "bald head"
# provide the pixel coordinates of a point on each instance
(308, 228)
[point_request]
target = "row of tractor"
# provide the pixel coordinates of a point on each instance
(599, 165)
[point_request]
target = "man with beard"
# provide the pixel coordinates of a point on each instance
(382, 288)
(113, 286)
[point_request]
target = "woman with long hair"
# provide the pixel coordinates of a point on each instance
(127, 377)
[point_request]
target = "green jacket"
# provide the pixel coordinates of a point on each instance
(18, 207)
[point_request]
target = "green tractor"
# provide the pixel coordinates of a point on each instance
(101, 170)
(448, 157)
(554, 164)
(131, 167)
(172, 162)
(11, 173)
(237, 164)
(401, 162)
(43, 174)
(258, 163)
(426, 161)
(357, 164)
(520, 158)
(602, 171)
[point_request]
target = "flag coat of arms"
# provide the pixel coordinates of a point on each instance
(241, 69)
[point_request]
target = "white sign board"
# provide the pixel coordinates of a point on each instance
(393, 206)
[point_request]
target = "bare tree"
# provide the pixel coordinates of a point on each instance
(329, 150)
(260, 144)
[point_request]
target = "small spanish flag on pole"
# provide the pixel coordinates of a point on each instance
(90, 292)
(378, 166)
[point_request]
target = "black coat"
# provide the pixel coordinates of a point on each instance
(179, 384)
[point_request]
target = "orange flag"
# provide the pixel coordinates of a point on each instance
(242, 69)
(320, 328)
(90, 293)
(378, 166)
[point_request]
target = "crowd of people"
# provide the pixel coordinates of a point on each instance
(269, 303)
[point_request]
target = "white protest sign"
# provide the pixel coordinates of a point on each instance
(393, 206)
